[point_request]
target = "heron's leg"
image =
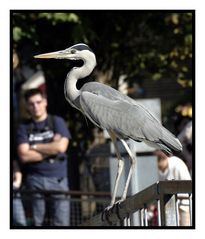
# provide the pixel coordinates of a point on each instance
(119, 168)
(133, 161)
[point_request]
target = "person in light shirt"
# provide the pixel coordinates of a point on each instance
(174, 168)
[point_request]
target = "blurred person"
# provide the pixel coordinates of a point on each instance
(19, 218)
(42, 142)
(173, 168)
(152, 215)
(185, 137)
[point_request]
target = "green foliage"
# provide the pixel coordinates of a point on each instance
(150, 45)
(60, 17)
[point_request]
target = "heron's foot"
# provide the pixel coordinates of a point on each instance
(117, 206)
(106, 213)
(119, 201)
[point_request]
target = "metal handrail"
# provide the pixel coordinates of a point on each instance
(160, 191)
(67, 193)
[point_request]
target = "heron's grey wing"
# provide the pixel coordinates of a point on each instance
(106, 113)
(126, 119)
(112, 94)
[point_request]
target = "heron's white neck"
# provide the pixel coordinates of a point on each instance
(71, 91)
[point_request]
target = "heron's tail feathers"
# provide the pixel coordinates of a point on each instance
(161, 146)
(169, 142)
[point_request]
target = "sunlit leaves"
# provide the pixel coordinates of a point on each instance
(17, 33)
(156, 76)
(149, 45)
(60, 17)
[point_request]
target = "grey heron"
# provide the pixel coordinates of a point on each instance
(109, 109)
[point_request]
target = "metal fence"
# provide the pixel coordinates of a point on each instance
(158, 205)
(83, 205)
(166, 195)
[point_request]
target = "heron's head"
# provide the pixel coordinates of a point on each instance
(77, 52)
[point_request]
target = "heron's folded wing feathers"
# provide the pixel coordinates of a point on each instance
(121, 116)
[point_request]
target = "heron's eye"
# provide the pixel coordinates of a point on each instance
(73, 51)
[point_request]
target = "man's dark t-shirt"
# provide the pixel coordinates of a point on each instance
(53, 166)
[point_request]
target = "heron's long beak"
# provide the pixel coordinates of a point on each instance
(56, 55)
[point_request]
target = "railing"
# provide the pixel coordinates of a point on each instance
(165, 194)
(87, 208)
(83, 205)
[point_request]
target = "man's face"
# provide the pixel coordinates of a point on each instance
(162, 160)
(36, 105)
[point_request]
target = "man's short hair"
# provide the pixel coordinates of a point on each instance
(33, 92)
(160, 154)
